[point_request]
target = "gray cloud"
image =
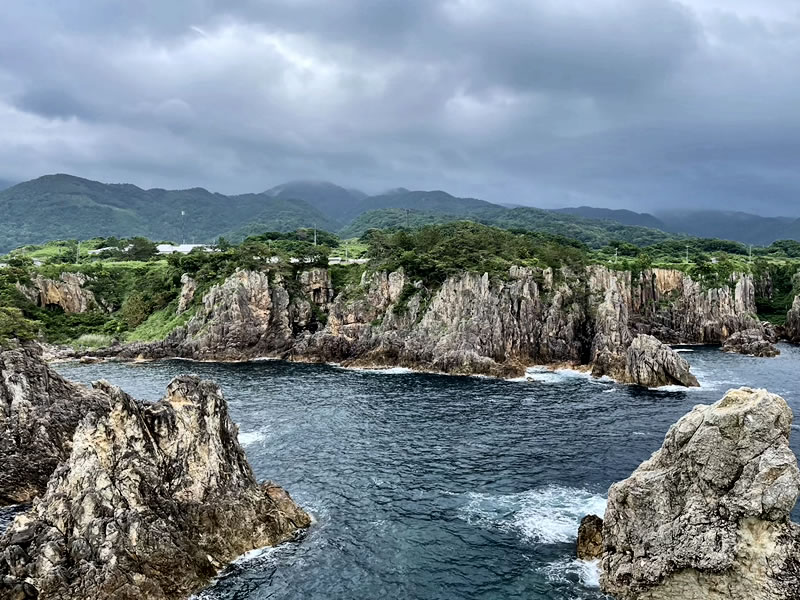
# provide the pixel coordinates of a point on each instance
(644, 104)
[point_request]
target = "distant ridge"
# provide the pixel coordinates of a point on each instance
(626, 217)
(64, 206)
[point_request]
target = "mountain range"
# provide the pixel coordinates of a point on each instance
(68, 207)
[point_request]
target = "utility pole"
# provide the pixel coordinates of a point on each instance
(616, 254)
(315, 234)
(183, 227)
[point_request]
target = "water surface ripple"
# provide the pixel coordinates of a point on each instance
(440, 487)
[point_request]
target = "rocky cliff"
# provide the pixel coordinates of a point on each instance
(707, 516)
(39, 411)
(751, 342)
(469, 324)
(153, 501)
(68, 292)
(793, 322)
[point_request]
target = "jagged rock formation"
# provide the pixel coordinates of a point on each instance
(612, 337)
(469, 324)
(590, 538)
(188, 289)
(792, 328)
(67, 292)
(153, 501)
(650, 363)
(39, 411)
(671, 306)
(751, 342)
(707, 516)
(641, 360)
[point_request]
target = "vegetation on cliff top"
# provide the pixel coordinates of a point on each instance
(137, 290)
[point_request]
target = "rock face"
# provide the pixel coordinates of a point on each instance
(793, 322)
(67, 292)
(707, 516)
(153, 501)
(39, 411)
(751, 342)
(470, 324)
(188, 289)
(650, 363)
(590, 538)
(641, 360)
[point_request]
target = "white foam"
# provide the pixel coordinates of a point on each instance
(586, 571)
(256, 554)
(265, 359)
(547, 375)
(683, 350)
(246, 438)
(386, 371)
(548, 515)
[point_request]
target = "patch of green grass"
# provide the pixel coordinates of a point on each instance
(159, 324)
(92, 340)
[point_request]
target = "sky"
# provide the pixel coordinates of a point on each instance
(649, 105)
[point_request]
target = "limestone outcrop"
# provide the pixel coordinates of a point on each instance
(650, 363)
(39, 411)
(153, 501)
(68, 292)
(468, 324)
(707, 516)
(188, 289)
(751, 342)
(792, 328)
(641, 360)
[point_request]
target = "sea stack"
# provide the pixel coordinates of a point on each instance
(153, 501)
(707, 516)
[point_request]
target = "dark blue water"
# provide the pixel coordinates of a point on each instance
(426, 486)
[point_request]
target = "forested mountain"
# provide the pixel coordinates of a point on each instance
(64, 207)
(742, 227)
(593, 232)
(739, 226)
(625, 217)
(338, 204)
(67, 207)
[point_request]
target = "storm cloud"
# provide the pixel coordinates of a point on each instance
(642, 104)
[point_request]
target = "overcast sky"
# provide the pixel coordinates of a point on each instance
(641, 104)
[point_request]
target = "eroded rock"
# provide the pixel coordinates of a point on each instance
(154, 500)
(652, 364)
(792, 328)
(707, 516)
(590, 538)
(751, 342)
(188, 289)
(68, 292)
(39, 411)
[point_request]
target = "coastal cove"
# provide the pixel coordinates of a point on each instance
(432, 486)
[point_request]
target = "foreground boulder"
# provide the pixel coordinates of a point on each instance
(707, 516)
(590, 538)
(154, 500)
(39, 411)
(750, 342)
